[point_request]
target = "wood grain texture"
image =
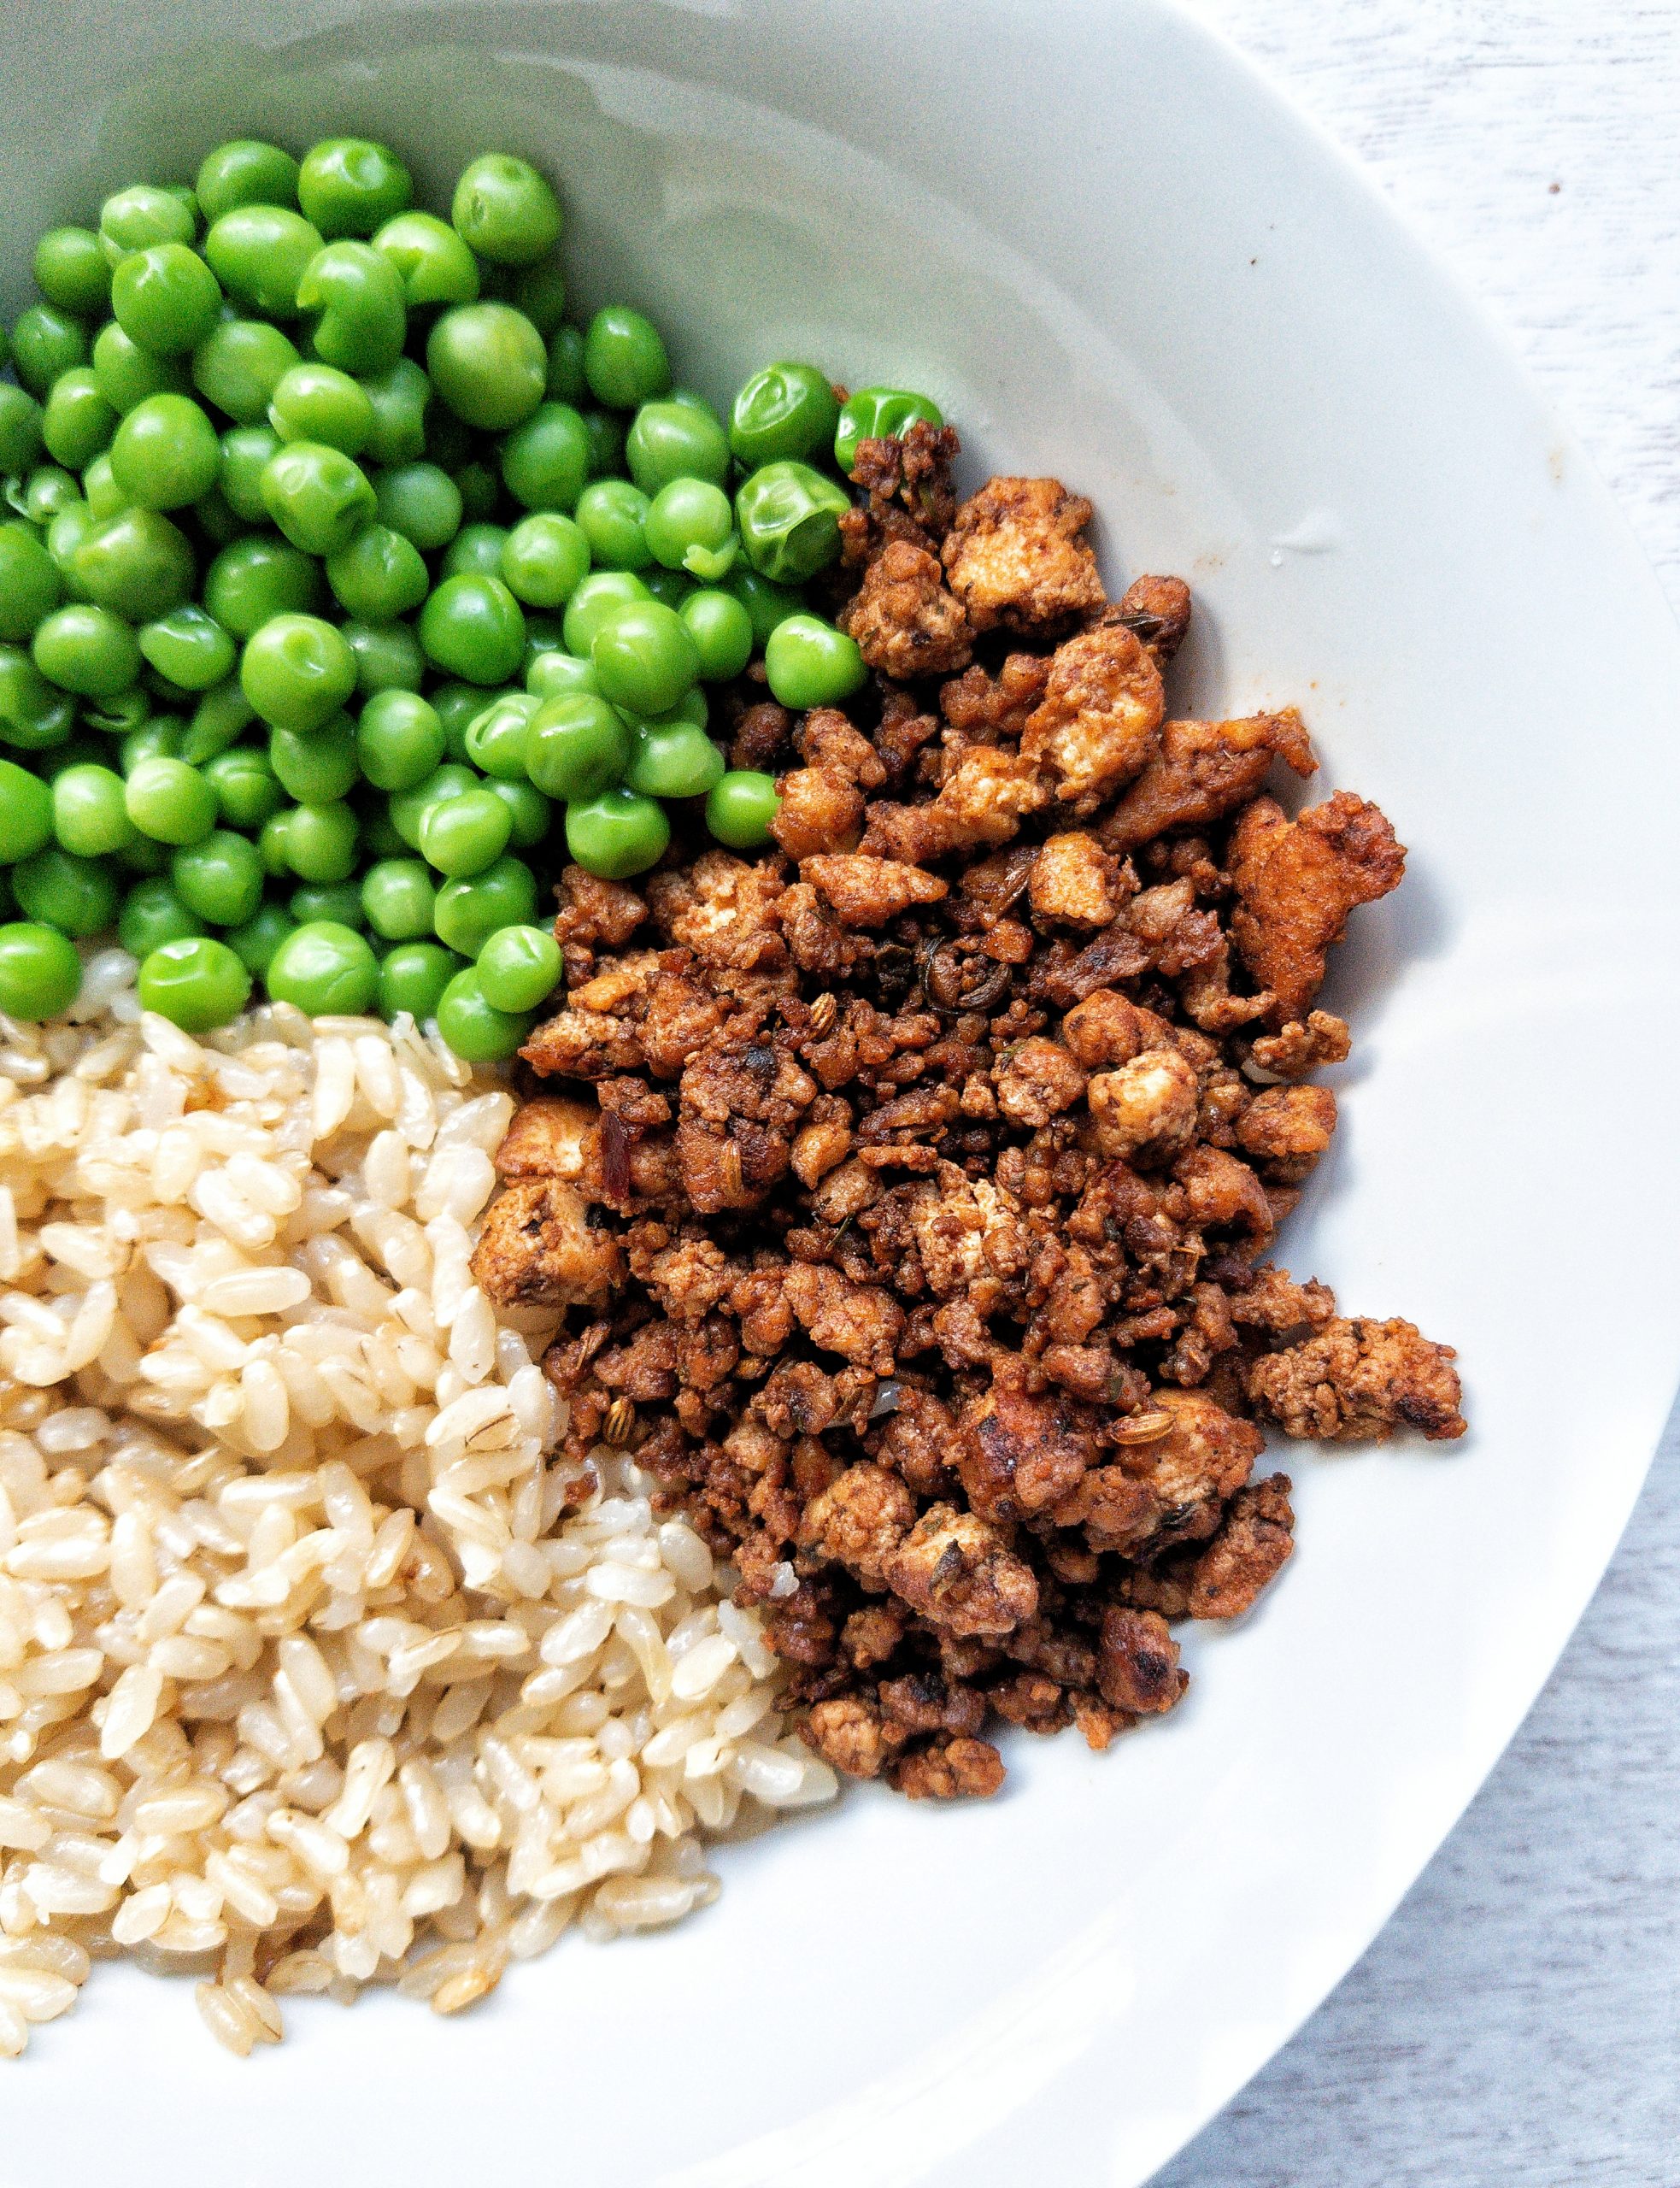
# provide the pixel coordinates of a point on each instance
(1518, 2023)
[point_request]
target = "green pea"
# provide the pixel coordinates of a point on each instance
(565, 381)
(690, 526)
(554, 673)
(100, 490)
(879, 414)
(576, 745)
(398, 898)
(169, 800)
(69, 527)
(318, 496)
(673, 760)
(539, 292)
(89, 816)
(722, 631)
(151, 915)
(165, 454)
(196, 983)
(78, 896)
(245, 172)
(272, 840)
(126, 375)
(740, 809)
(159, 737)
(671, 588)
(19, 429)
(257, 578)
(435, 266)
(339, 901)
(789, 521)
(324, 968)
(349, 187)
(458, 707)
(529, 813)
(413, 978)
(808, 663)
(30, 585)
(35, 715)
(46, 492)
(644, 657)
(46, 342)
(40, 973)
(318, 769)
(246, 453)
(473, 627)
(399, 740)
(470, 911)
(766, 603)
(219, 718)
(318, 403)
(601, 594)
(475, 550)
(77, 423)
(388, 658)
(478, 1032)
(787, 412)
(408, 807)
(137, 564)
(489, 364)
(461, 836)
(358, 294)
(480, 491)
(612, 514)
(624, 358)
(616, 834)
(379, 576)
(421, 502)
(256, 943)
(320, 842)
(71, 272)
(397, 399)
(545, 461)
(676, 439)
(165, 299)
(495, 737)
(259, 253)
(239, 363)
(246, 791)
(505, 211)
(544, 560)
(189, 648)
(378, 838)
(220, 879)
(123, 713)
(297, 672)
(25, 814)
(136, 218)
(86, 649)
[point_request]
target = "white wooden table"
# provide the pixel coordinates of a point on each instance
(1518, 2023)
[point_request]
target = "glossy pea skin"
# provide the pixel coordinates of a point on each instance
(319, 497)
(421, 501)
(30, 585)
(320, 841)
(46, 342)
(673, 760)
(555, 673)
(397, 399)
(245, 171)
(545, 462)
(165, 299)
(601, 594)
(256, 578)
(879, 414)
(78, 896)
(324, 968)
(644, 657)
(625, 361)
(690, 526)
(340, 901)
(399, 740)
(100, 490)
(297, 672)
(357, 293)
(388, 658)
(489, 364)
(576, 745)
(539, 292)
(530, 816)
(473, 627)
(159, 736)
(722, 631)
(77, 423)
(612, 515)
(40, 973)
(246, 791)
(606, 444)
(544, 559)
(170, 802)
(72, 272)
(153, 914)
(256, 943)
(351, 186)
(238, 365)
(677, 439)
(740, 809)
(318, 769)
(565, 381)
(473, 1029)
(461, 836)
(47, 491)
(220, 718)
(126, 375)
(165, 454)
(219, 878)
(413, 978)
(470, 911)
(495, 737)
(137, 564)
(246, 453)
(86, 649)
(196, 984)
(480, 491)
(319, 402)
(259, 253)
(136, 218)
(788, 517)
(808, 663)
(434, 265)
(19, 429)
(379, 576)
(89, 817)
(788, 412)
(475, 551)
(766, 604)
(519, 967)
(616, 834)
(35, 715)
(26, 812)
(188, 647)
(505, 210)
(407, 807)
(398, 898)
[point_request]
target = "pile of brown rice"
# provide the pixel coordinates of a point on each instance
(313, 1672)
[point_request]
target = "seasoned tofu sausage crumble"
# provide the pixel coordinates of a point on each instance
(911, 1187)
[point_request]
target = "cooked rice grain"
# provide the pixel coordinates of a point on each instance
(313, 1672)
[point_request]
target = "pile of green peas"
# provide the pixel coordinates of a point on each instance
(338, 558)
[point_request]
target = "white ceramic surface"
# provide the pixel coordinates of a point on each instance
(1111, 253)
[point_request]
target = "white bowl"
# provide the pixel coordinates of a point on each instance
(1113, 255)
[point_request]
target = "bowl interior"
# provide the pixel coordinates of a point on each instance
(1109, 254)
